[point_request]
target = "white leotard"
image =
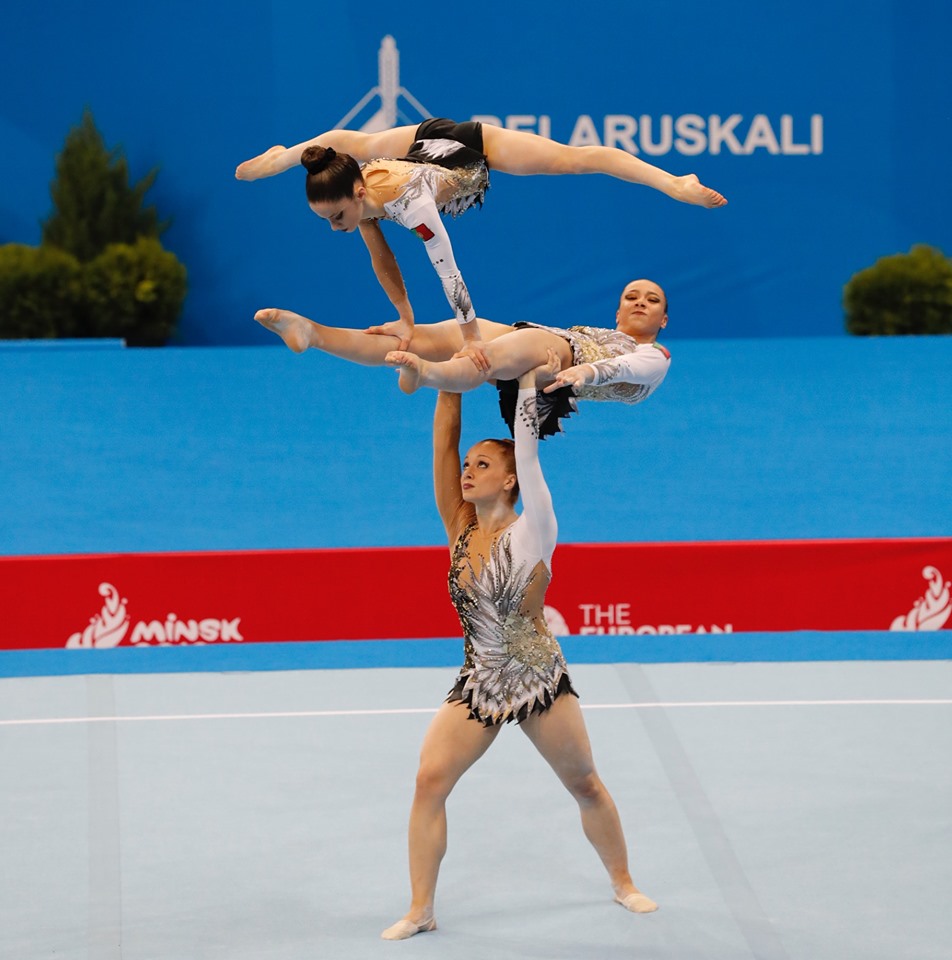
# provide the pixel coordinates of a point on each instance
(417, 208)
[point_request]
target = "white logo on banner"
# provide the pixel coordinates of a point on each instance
(555, 622)
(109, 628)
(615, 619)
(687, 133)
(389, 93)
(931, 611)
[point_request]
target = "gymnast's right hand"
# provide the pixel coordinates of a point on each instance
(574, 377)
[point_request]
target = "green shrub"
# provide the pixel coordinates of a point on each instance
(94, 204)
(907, 293)
(134, 291)
(41, 292)
(100, 271)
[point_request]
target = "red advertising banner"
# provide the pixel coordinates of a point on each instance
(662, 588)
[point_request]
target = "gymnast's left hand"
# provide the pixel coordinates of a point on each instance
(402, 329)
(476, 351)
(572, 377)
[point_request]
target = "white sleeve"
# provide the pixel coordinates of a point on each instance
(648, 364)
(421, 217)
(538, 516)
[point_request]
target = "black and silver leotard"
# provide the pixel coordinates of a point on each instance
(513, 665)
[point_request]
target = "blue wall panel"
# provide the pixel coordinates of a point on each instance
(245, 448)
(194, 89)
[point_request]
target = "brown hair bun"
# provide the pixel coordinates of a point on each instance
(315, 159)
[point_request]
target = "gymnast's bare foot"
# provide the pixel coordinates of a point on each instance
(689, 189)
(412, 369)
(266, 164)
(292, 328)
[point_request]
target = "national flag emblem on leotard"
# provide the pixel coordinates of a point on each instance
(423, 232)
(664, 350)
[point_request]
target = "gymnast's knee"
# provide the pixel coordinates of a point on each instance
(433, 783)
(587, 788)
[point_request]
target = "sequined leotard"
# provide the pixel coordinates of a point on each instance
(513, 665)
(446, 173)
(625, 371)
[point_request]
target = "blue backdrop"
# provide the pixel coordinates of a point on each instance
(827, 125)
(252, 448)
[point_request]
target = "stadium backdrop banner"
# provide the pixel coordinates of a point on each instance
(644, 590)
(826, 125)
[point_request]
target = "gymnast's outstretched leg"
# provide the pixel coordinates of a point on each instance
(526, 154)
(560, 736)
(430, 341)
(453, 743)
(509, 355)
(361, 146)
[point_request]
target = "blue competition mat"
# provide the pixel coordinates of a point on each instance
(356, 654)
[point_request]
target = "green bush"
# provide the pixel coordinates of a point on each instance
(134, 291)
(907, 293)
(100, 271)
(41, 292)
(94, 204)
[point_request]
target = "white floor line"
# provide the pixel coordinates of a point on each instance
(292, 714)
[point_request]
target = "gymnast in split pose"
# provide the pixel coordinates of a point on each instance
(625, 363)
(513, 669)
(413, 174)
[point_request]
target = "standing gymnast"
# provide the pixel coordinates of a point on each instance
(513, 667)
(412, 174)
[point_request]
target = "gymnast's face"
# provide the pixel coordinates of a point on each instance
(643, 310)
(343, 215)
(485, 475)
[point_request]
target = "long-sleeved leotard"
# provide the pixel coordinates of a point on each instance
(513, 665)
(445, 172)
(626, 371)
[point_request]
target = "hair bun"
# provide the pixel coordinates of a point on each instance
(316, 159)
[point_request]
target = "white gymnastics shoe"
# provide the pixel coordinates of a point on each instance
(637, 903)
(404, 929)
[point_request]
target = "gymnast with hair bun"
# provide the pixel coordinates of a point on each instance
(411, 175)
